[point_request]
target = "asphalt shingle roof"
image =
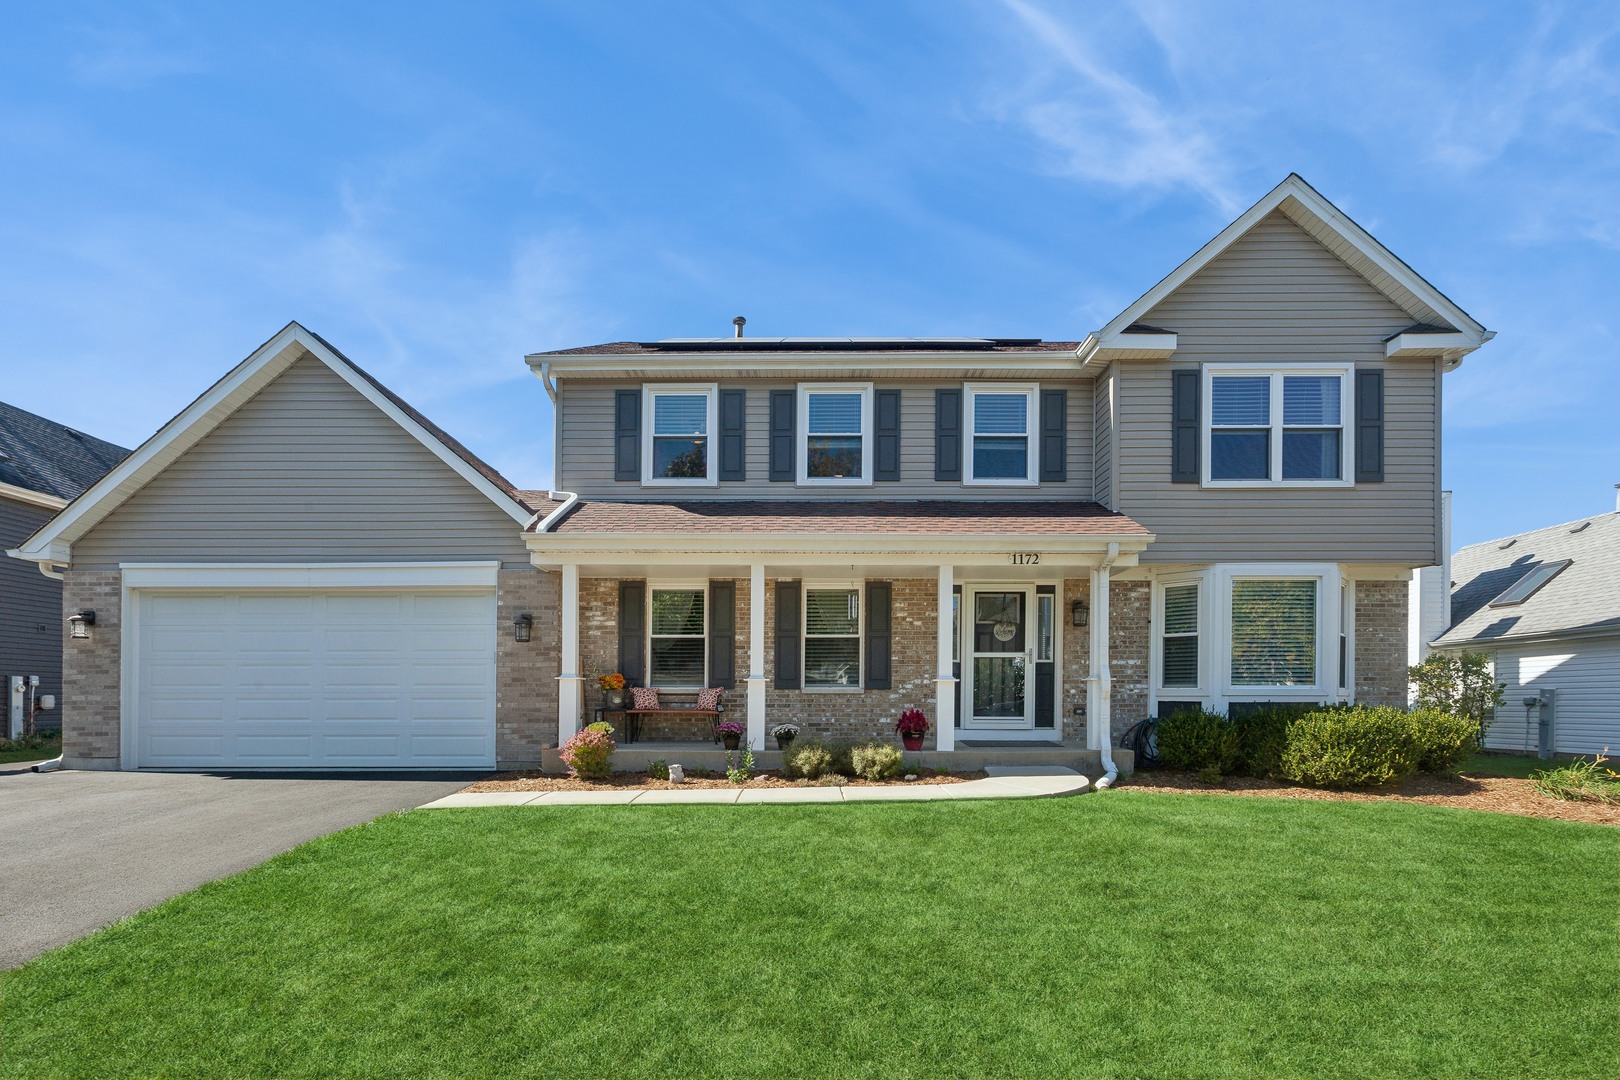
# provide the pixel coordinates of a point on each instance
(846, 517)
(42, 455)
(1584, 597)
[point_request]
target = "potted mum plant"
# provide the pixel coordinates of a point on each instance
(784, 735)
(912, 726)
(613, 689)
(730, 733)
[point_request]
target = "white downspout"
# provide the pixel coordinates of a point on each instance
(569, 498)
(1102, 714)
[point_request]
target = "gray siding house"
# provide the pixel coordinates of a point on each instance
(1219, 497)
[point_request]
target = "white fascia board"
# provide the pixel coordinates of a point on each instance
(1294, 187)
(1404, 346)
(31, 497)
(569, 548)
(1099, 349)
(412, 575)
(690, 364)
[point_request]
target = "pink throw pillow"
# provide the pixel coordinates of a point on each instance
(644, 697)
(709, 700)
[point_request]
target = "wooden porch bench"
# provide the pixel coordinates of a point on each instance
(679, 705)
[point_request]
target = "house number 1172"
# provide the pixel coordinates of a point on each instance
(1025, 558)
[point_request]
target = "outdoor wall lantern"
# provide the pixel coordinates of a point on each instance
(1080, 612)
(80, 622)
(523, 627)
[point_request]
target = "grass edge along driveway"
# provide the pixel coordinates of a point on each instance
(1119, 934)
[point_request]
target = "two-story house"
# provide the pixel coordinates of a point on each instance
(1218, 497)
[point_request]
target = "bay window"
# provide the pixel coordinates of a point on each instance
(835, 434)
(1284, 425)
(832, 639)
(677, 638)
(1000, 422)
(682, 420)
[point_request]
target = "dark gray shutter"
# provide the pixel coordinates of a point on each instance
(627, 435)
(783, 436)
(1184, 419)
(733, 434)
(879, 635)
(1054, 436)
(788, 653)
(947, 434)
(956, 664)
(886, 440)
(723, 633)
(1369, 427)
(633, 631)
(1046, 670)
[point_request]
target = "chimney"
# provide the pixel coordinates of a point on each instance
(739, 321)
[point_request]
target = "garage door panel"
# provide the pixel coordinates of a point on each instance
(315, 679)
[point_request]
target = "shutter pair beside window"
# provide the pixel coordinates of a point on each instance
(949, 438)
(784, 436)
(627, 435)
(878, 631)
(722, 632)
(1186, 419)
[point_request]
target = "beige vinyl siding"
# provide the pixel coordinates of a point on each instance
(585, 408)
(1278, 295)
(1103, 438)
(306, 470)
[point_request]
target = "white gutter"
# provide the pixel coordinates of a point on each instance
(45, 565)
(547, 382)
(569, 498)
(1110, 770)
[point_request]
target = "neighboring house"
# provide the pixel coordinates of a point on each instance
(1216, 498)
(1545, 605)
(42, 465)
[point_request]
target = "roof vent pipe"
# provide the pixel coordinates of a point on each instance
(1617, 498)
(739, 322)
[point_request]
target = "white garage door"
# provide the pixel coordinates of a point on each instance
(316, 679)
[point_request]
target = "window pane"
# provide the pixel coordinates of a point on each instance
(834, 661)
(1310, 455)
(1043, 636)
(1240, 400)
(1000, 414)
(677, 662)
(1273, 633)
(998, 687)
(1181, 661)
(1181, 609)
(831, 611)
(1311, 400)
(1000, 458)
(1239, 455)
(680, 414)
(677, 611)
(829, 456)
(835, 414)
(681, 459)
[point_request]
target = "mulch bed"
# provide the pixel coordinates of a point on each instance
(534, 781)
(1471, 791)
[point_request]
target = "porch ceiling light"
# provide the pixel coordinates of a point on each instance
(523, 627)
(80, 622)
(1080, 613)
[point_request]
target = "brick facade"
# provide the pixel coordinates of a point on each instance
(1381, 643)
(526, 671)
(91, 671)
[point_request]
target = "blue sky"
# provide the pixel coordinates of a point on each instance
(441, 189)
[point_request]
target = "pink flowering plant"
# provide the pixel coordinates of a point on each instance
(912, 722)
(729, 727)
(589, 754)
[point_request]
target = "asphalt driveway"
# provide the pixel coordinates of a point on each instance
(79, 850)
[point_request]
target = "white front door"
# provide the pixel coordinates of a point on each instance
(1000, 649)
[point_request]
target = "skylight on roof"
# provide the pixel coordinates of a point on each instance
(1526, 587)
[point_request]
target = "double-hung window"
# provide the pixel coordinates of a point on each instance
(1178, 640)
(832, 639)
(677, 638)
(681, 423)
(1276, 426)
(1000, 422)
(1274, 632)
(835, 434)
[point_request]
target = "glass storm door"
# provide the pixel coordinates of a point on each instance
(1000, 654)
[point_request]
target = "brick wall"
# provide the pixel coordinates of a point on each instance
(1381, 643)
(1129, 605)
(526, 671)
(90, 671)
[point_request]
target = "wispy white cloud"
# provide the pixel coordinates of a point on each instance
(124, 56)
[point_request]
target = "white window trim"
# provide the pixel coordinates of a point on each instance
(868, 449)
(649, 392)
(1347, 448)
(970, 392)
(677, 586)
(1205, 618)
(1327, 576)
(805, 589)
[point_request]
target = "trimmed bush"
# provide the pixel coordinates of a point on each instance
(810, 761)
(1443, 739)
(1262, 737)
(875, 760)
(1361, 746)
(1197, 741)
(589, 754)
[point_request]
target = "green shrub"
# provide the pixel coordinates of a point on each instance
(1586, 780)
(589, 754)
(809, 761)
(739, 766)
(1359, 746)
(658, 769)
(875, 760)
(1443, 739)
(843, 758)
(1198, 741)
(1262, 736)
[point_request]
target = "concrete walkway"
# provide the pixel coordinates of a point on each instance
(1003, 782)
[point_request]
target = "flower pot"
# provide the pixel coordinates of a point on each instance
(784, 741)
(730, 741)
(912, 742)
(615, 699)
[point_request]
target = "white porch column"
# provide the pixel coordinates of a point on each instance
(1099, 682)
(945, 683)
(756, 657)
(568, 682)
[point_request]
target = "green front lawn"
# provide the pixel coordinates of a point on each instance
(1123, 934)
(37, 748)
(1516, 765)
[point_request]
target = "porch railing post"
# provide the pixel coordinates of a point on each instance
(568, 682)
(945, 683)
(1099, 681)
(756, 657)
